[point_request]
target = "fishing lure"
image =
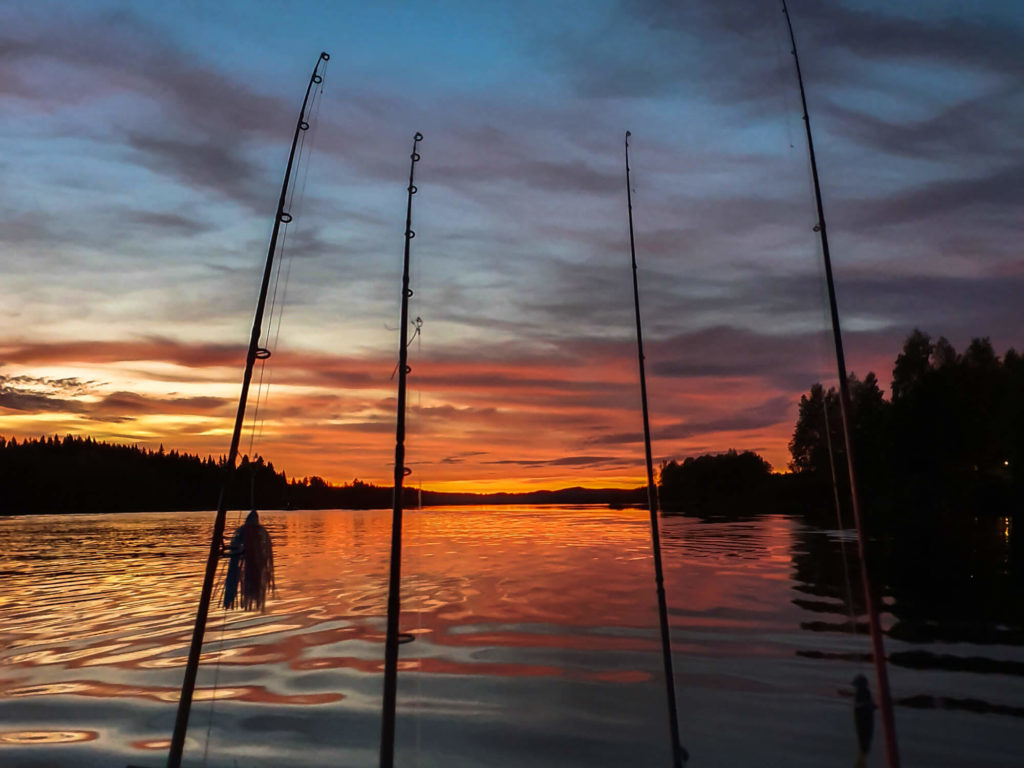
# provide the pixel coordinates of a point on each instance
(251, 566)
(863, 717)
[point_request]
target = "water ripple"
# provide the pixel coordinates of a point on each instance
(535, 643)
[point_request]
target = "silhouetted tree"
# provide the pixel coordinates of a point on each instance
(952, 434)
(809, 446)
(726, 483)
(912, 364)
(869, 423)
(75, 474)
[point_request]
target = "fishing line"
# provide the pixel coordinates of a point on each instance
(680, 755)
(416, 564)
(821, 343)
(418, 422)
(216, 674)
(275, 314)
(839, 517)
(823, 353)
(845, 401)
(254, 353)
(417, 324)
(416, 561)
(785, 91)
(394, 637)
(218, 599)
(298, 186)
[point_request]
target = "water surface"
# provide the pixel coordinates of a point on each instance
(536, 644)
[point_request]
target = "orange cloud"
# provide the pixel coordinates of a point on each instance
(522, 421)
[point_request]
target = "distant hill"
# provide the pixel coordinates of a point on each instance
(620, 497)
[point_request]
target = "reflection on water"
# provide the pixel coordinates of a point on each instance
(45, 737)
(536, 642)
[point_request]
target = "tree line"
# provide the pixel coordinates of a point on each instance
(79, 474)
(950, 436)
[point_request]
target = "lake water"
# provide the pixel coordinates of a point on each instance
(536, 644)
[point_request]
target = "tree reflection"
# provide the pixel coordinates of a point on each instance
(959, 581)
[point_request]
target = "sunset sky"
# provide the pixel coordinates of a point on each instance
(143, 147)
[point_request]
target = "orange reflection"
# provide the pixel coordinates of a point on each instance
(112, 691)
(159, 745)
(497, 594)
(46, 737)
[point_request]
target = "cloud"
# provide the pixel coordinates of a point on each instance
(162, 221)
(68, 385)
(482, 147)
(977, 127)
(983, 42)
(208, 163)
(888, 306)
(115, 52)
(771, 412)
(84, 399)
(559, 176)
(153, 348)
(999, 190)
(15, 400)
(43, 394)
(563, 461)
(150, 159)
(107, 56)
(122, 403)
(740, 48)
(460, 458)
(723, 351)
(30, 228)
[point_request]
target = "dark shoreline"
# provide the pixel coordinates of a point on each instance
(72, 475)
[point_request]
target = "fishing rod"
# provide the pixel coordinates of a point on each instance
(874, 623)
(679, 753)
(392, 638)
(255, 352)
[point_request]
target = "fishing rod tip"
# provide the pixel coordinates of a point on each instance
(325, 55)
(418, 136)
